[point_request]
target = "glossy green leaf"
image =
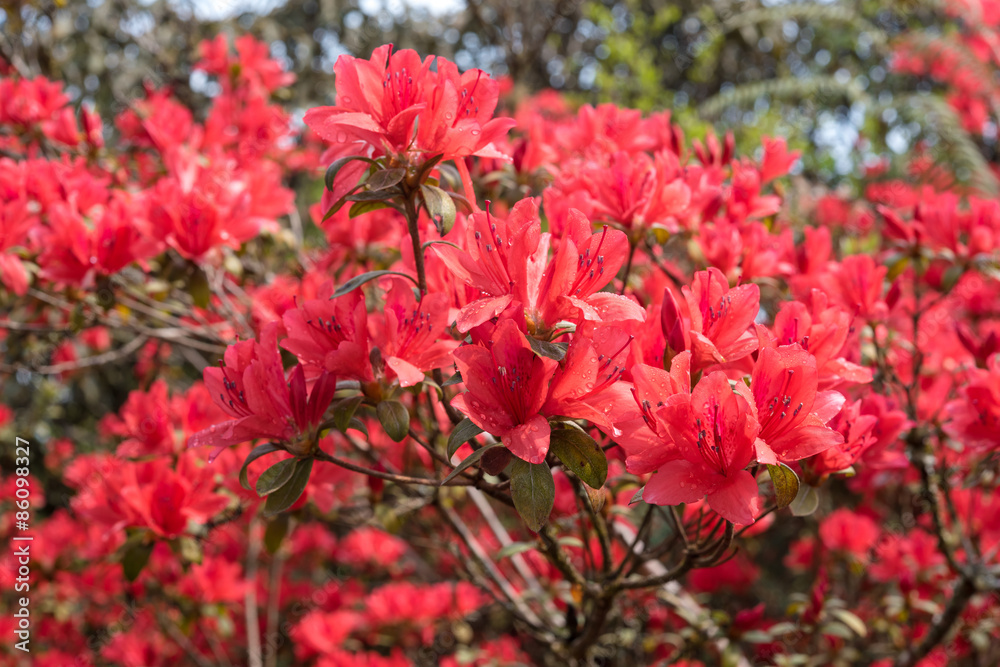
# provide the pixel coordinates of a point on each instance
(440, 207)
(362, 207)
(357, 281)
(395, 419)
(786, 484)
(275, 477)
(464, 431)
(337, 165)
(258, 451)
(581, 454)
(286, 496)
(533, 491)
(275, 533)
(544, 348)
(135, 558)
(385, 178)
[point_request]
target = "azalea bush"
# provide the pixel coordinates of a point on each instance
(528, 383)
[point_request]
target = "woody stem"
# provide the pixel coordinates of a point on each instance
(412, 220)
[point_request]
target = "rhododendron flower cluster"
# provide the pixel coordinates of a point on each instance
(594, 417)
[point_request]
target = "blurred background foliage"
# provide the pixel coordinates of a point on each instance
(818, 73)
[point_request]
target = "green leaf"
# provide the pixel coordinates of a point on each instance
(570, 541)
(533, 491)
(258, 451)
(427, 166)
(343, 411)
(275, 533)
(515, 548)
(440, 207)
(275, 477)
(951, 276)
(362, 207)
(198, 288)
(357, 425)
(544, 348)
(851, 621)
(286, 496)
(581, 454)
(637, 498)
(135, 558)
(469, 460)
(386, 178)
(374, 195)
(806, 500)
(337, 165)
(357, 281)
(394, 419)
(453, 380)
(786, 484)
(426, 244)
(464, 431)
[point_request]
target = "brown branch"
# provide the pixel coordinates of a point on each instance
(254, 656)
(959, 599)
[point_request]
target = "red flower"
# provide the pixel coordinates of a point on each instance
(975, 415)
(710, 439)
(75, 252)
(15, 221)
(777, 160)
(407, 334)
(791, 413)
(720, 319)
(507, 260)
(250, 387)
(378, 101)
(165, 500)
(822, 331)
(859, 284)
(587, 386)
(330, 334)
(146, 421)
(507, 387)
(846, 531)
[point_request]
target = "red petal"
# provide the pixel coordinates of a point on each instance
(736, 500)
(529, 441)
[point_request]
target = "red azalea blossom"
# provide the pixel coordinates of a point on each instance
(409, 333)
(507, 386)
(378, 101)
(251, 388)
(718, 330)
(710, 435)
(507, 260)
(791, 412)
(330, 334)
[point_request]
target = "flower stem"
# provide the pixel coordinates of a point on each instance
(412, 222)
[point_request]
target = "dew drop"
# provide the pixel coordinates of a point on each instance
(341, 137)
